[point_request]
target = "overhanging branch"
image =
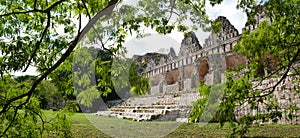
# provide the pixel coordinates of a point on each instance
(34, 10)
(37, 45)
(283, 76)
(72, 46)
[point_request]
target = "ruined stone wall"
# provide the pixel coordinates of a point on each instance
(194, 63)
(235, 60)
(217, 69)
(209, 65)
(156, 90)
(284, 95)
(155, 80)
(187, 84)
(173, 88)
(172, 76)
(203, 69)
(188, 71)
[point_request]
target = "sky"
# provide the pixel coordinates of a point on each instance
(161, 43)
(157, 42)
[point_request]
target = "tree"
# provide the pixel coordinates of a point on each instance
(30, 37)
(62, 78)
(206, 109)
(49, 96)
(273, 51)
(98, 74)
(30, 119)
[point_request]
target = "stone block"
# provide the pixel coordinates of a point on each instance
(171, 88)
(187, 84)
(154, 90)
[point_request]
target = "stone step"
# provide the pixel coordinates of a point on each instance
(138, 116)
(145, 107)
(149, 110)
(165, 107)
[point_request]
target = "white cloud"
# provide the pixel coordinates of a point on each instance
(152, 43)
(30, 71)
(227, 8)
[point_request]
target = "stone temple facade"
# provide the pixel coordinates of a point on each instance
(174, 78)
(170, 73)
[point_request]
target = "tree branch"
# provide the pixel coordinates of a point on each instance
(79, 22)
(21, 12)
(54, 5)
(87, 10)
(34, 5)
(172, 8)
(72, 46)
(269, 75)
(37, 45)
(14, 117)
(283, 76)
(40, 116)
(79, 26)
(34, 10)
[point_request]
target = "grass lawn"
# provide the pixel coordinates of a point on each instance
(87, 125)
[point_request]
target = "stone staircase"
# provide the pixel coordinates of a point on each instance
(168, 107)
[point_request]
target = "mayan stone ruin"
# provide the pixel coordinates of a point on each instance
(175, 77)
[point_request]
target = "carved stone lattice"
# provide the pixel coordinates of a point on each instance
(189, 45)
(227, 31)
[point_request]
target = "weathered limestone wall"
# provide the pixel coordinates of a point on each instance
(187, 84)
(203, 69)
(188, 70)
(172, 76)
(235, 60)
(209, 63)
(284, 96)
(216, 70)
(155, 80)
(210, 69)
(154, 90)
(173, 88)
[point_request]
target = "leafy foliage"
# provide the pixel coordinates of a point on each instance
(139, 83)
(91, 62)
(206, 108)
(29, 118)
(30, 35)
(49, 96)
(273, 52)
(200, 104)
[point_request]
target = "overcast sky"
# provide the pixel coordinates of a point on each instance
(158, 42)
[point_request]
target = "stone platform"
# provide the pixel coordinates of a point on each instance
(167, 107)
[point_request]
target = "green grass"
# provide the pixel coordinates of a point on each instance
(87, 125)
(213, 130)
